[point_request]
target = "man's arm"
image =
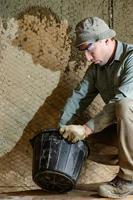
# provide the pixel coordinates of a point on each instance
(81, 97)
(125, 90)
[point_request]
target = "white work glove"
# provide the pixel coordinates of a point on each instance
(73, 133)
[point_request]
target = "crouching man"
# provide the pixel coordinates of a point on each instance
(110, 75)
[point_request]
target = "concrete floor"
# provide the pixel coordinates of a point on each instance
(83, 192)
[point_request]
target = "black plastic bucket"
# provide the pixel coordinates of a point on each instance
(56, 163)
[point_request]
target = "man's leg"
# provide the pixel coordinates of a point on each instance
(103, 146)
(122, 185)
(124, 114)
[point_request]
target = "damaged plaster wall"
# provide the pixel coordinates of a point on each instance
(38, 69)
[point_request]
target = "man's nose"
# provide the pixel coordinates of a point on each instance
(88, 56)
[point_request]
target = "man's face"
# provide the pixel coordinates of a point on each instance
(97, 53)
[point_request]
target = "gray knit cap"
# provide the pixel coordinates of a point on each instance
(91, 30)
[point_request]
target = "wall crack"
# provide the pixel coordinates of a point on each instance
(111, 13)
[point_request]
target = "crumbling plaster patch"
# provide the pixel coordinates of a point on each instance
(24, 87)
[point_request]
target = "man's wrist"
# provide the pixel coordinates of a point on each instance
(88, 130)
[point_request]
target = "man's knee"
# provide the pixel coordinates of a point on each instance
(124, 108)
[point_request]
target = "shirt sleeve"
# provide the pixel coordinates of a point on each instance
(125, 90)
(81, 97)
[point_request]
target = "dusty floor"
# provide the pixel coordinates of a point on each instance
(86, 192)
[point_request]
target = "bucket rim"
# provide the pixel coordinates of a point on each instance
(42, 131)
(57, 172)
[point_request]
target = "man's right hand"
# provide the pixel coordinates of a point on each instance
(75, 133)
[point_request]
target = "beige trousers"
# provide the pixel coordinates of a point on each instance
(119, 135)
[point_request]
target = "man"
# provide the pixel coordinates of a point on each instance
(111, 75)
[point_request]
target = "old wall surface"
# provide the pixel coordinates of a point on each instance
(123, 20)
(38, 69)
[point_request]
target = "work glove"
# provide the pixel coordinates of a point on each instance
(73, 133)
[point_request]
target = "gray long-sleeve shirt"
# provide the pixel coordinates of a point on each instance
(113, 81)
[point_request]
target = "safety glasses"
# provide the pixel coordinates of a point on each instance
(86, 47)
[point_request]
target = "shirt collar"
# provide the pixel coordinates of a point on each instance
(119, 51)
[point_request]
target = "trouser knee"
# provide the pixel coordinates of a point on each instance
(124, 108)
